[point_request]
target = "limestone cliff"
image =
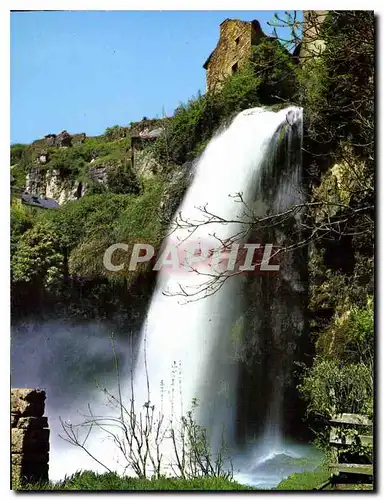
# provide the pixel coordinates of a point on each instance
(65, 167)
(52, 184)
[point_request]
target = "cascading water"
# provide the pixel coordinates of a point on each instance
(192, 342)
(227, 342)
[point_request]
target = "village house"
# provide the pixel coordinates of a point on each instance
(232, 51)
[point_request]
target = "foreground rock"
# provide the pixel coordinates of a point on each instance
(29, 437)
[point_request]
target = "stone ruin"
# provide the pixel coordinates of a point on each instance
(29, 438)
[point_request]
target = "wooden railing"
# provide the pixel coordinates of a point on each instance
(350, 433)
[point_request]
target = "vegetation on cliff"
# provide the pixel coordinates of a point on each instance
(57, 255)
(337, 91)
(267, 79)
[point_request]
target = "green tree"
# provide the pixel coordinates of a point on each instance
(38, 260)
(21, 221)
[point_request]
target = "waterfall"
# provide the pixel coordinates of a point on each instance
(225, 342)
(192, 340)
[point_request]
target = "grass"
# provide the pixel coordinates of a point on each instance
(305, 480)
(90, 481)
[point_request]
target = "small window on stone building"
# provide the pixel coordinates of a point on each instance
(235, 68)
(237, 40)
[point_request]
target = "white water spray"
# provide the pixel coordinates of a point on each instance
(189, 344)
(192, 339)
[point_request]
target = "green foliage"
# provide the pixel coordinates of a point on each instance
(362, 326)
(140, 221)
(90, 481)
(194, 123)
(267, 78)
(81, 218)
(312, 78)
(191, 123)
(332, 387)
(122, 179)
(86, 228)
(336, 89)
(18, 173)
(240, 91)
(341, 378)
(71, 161)
(305, 480)
(66, 242)
(86, 259)
(69, 243)
(21, 221)
(99, 147)
(21, 159)
(95, 187)
(116, 132)
(350, 337)
(38, 259)
(350, 60)
(68, 161)
(17, 151)
(276, 71)
(74, 162)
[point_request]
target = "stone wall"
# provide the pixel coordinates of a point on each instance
(29, 437)
(232, 51)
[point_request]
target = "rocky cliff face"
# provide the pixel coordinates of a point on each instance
(54, 173)
(52, 184)
(62, 140)
(145, 165)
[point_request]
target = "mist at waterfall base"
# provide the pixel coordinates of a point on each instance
(70, 362)
(201, 325)
(198, 334)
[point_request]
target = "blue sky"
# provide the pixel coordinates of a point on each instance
(84, 71)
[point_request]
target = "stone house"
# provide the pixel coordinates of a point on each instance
(237, 38)
(233, 49)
